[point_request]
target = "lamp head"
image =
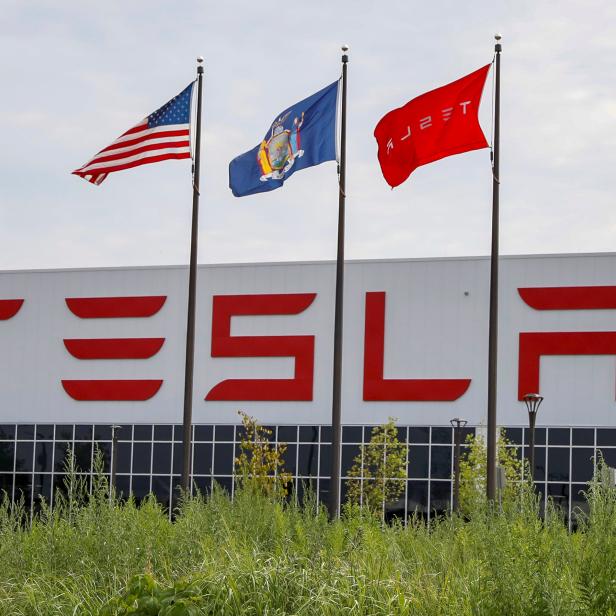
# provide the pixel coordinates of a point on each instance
(456, 422)
(533, 402)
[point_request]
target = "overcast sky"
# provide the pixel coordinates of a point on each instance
(75, 75)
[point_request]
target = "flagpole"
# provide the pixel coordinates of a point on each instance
(192, 288)
(493, 326)
(334, 489)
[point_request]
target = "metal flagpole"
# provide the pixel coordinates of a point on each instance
(192, 287)
(493, 327)
(114, 461)
(334, 488)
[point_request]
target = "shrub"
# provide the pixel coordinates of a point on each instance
(260, 465)
(379, 470)
(473, 469)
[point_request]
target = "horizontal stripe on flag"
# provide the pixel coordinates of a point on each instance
(135, 129)
(148, 133)
(141, 160)
(144, 143)
(105, 166)
(93, 179)
(173, 142)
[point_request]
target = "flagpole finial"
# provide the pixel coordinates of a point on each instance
(498, 36)
(345, 52)
(498, 47)
(199, 64)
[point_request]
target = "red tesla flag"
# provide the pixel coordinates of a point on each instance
(436, 124)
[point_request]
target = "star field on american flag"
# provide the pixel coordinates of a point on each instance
(163, 135)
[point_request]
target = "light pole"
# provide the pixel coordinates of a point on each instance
(114, 459)
(457, 425)
(532, 401)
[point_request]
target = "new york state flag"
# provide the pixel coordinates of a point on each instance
(301, 136)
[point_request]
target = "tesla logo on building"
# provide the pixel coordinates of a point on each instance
(379, 389)
(226, 345)
(533, 345)
(113, 348)
(9, 308)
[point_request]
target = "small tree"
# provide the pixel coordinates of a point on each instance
(260, 465)
(379, 470)
(473, 470)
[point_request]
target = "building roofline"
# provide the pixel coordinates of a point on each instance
(312, 262)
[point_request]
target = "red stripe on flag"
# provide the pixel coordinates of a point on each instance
(135, 129)
(144, 148)
(156, 135)
(96, 178)
(135, 163)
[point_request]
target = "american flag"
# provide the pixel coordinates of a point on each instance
(164, 134)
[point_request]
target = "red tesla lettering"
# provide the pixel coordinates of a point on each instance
(113, 348)
(299, 347)
(377, 388)
(9, 308)
(112, 390)
(535, 344)
(115, 307)
(569, 298)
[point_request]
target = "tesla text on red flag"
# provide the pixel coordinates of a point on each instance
(436, 124)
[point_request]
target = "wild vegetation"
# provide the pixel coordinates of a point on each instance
(378, 470)
(259, 466)
(258, 554)
(473, 470)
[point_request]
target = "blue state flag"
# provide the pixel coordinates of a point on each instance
(301, 136)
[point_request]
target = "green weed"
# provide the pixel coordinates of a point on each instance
(258, 555)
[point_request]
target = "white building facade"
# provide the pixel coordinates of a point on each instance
(81, 350)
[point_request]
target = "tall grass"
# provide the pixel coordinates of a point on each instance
(260, 556)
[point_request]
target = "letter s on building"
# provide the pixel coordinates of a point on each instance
(224, 344)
